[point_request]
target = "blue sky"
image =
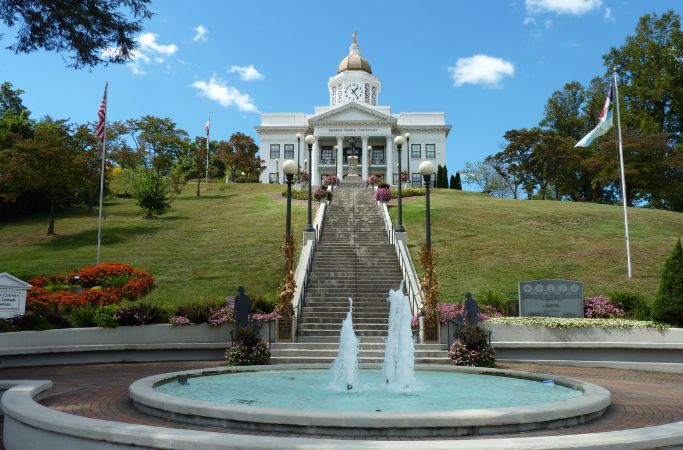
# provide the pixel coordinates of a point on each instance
(490, 66)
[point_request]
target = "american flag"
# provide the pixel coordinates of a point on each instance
(102, 115)
(207, 126)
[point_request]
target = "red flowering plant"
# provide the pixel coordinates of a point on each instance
(103, 284)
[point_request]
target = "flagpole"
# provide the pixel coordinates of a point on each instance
(207, 153)
(104, 143)
(623, 177)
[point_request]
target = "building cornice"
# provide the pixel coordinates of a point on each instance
(272, 129)
(441, 128)
(320, 118)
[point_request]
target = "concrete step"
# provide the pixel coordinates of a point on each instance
(335, 333)
(329, 360)
(364, 345)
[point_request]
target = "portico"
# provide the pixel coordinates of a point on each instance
(353, 114)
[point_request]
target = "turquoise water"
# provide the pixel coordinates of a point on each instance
(312, 390)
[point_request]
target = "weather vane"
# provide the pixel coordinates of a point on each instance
(355, 36)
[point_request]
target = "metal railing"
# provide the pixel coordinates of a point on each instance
(304, 266)
(411, 282)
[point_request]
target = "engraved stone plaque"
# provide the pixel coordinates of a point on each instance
(550, 298)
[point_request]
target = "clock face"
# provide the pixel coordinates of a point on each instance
(353, 91)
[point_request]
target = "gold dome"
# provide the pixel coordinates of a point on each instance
(354, 61)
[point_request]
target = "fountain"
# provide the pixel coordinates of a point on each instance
(399, 356)
(396, 401)
(345, 366)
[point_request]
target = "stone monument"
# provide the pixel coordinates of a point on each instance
(550, 298)
(242, 309)
(12, 296)
(353, 177)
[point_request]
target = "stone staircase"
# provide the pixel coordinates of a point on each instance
(352, 259)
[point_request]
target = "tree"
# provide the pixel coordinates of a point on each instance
(486, 177)
(668, 305)
(451, 182)
(152, 192)
(440, 177)
(458, 182)
(49, 162)
(240, 154)
(563, 111)
(84, 28)
(650, 68)
(10, 101)
(157, 142)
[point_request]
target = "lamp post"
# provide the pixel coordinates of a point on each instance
(310, 140)
(336, 160)
(410, 177)
(298, 155)
(277, 170)
(426, 170)
(289, 167)
(399, 141)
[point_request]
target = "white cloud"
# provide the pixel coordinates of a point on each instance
(571, 7)
(148, 43)
(216, 90)
(201, 32)
(529, 21)
(247, 73)
(608, 14)
(148, 52)
(481, 69)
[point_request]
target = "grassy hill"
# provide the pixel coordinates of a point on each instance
(205, 247)
(484, 243)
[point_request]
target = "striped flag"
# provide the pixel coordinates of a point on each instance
(207, 126)
(605, 121)
(102, 116)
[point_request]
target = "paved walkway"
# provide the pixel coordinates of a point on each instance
(639, 399)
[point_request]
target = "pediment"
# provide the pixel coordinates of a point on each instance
(352, 112)
(8, 281)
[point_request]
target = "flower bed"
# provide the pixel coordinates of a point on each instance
(103, 284)
(562, 323)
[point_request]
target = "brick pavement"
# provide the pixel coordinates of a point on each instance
(639, 399)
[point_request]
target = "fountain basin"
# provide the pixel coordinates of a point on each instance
(590, 403)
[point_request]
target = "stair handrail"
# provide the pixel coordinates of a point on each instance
(408, 272)
(305, 264)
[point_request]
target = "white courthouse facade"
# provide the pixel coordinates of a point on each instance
(353, 114)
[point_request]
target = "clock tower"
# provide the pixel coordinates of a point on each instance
(354, 81)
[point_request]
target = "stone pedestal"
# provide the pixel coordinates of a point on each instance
(353, 176)
(284, 326)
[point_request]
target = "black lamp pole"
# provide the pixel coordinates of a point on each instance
(410, 177)
(298, 157)
(428, 182)
(309, 226)
(288, 228)
(399, 227)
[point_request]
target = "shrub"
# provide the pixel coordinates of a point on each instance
(221, 315)
(496, 300)
(179, 320)
(374, 180)
(197, 312)
(321, 193)
(248, 350)
(140, 314)
(303, 176)
(82, 317)
(104, 316)
(382, 194)
(263, 305)
(633, 304)
(668, 305)
(408, 192)
(473, 349)
(600, 308)
(331, 180)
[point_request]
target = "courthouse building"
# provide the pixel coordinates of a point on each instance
(354, 113)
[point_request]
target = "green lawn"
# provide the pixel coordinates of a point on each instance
(484, 243)
(203, 248)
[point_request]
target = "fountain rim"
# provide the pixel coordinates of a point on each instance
(594, 401)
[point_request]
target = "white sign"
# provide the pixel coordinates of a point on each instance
(12, 296)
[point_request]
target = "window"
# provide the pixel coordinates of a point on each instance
(378, 155)
(289, 151)
(274, 151)
(367, 92)
(416, 179)
(430, 150)
(395, 179)
(416, 151)
(273, 178)
(326, 155)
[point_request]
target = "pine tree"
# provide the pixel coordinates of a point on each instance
(444, 177)
(439, 174)
(451, 184)
(458, 182)
(668, 305)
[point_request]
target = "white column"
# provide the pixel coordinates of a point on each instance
(389, 177)
(365, 156)
(340, 157)
(315, 178)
